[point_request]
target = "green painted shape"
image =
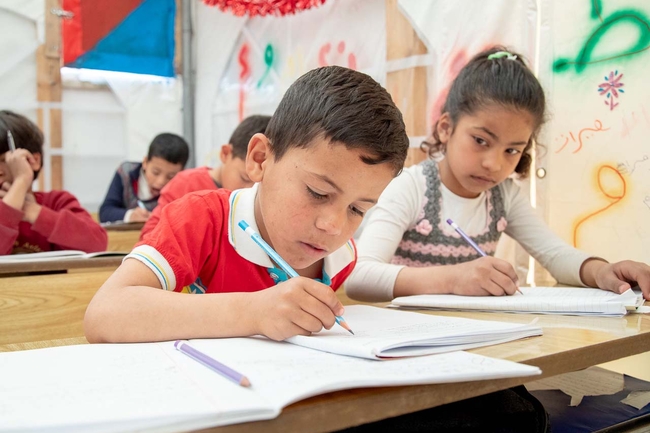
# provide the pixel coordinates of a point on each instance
(623, 17)
(268, 61)
(596, 8)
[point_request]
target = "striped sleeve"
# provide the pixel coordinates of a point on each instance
(155, 261)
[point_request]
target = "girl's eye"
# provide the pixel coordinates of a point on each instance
(480, 141)
(316, 195)
(356, 211)
(513, 151)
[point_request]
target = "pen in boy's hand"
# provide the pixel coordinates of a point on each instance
(141, 205)
(469, 241)
(10, 141)
(280, 262)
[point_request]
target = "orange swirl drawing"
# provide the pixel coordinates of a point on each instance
(616, 197)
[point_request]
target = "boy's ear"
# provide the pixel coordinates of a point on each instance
(444, 127)
(259, 151)
(145, 160)
(226, 150)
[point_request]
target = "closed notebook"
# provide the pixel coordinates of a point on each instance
(544, 300)
(153, 387)
(385, 333)
(58, 255)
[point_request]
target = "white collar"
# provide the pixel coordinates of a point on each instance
(242, 207)
(144, 192)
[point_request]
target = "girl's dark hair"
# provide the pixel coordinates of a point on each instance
(26, 134)
(503, 81)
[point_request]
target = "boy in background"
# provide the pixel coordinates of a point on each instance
(231, 175)
(333, 144)
(33, 222)
(135, 188)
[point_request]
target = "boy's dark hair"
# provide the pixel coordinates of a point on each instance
(340, 105)
(169, 147)
(26, 134)
(245, 130)
(502, 81)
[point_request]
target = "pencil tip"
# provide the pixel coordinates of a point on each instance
(245, 382)
(350, 331)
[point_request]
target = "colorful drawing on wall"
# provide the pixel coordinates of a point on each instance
(244, 74)
(324, 52)
(632, 19)
(134, 36)
(611, 87)
(268, 61)
(612, 185)
(598, 127)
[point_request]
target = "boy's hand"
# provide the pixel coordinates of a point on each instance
(620, 276)
(139, 215)
(484, 277)
(298, 306)
(20, 164)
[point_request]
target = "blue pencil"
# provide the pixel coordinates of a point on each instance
(280, 262)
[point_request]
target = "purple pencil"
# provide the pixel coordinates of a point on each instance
(469, 240)
(212, 363)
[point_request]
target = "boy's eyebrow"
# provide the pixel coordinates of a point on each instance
(494, 136)
(336, 187)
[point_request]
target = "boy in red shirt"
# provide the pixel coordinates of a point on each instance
(230, 175)
(334, 143)
(37, 221)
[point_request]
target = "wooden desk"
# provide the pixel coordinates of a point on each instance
(45, 307)
(122, 240)
(60, 265)
(122, 226)
(568, 344)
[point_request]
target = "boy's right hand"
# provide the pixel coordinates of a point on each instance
(139, 215)
(298, 306)
(487, 276)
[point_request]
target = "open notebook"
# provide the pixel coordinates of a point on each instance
(58, 255)
(383, 333)
(153, 387)
(544, 300)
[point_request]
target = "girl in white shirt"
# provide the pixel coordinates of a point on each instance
(491, 117)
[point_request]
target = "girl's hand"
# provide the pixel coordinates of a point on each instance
(20, 164)
(484, 277)
(298, 306)
(31, 209)
(620, 276)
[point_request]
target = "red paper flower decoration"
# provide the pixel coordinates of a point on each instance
(264, 7)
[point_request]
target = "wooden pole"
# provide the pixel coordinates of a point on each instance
(408, 87)
(48, 76)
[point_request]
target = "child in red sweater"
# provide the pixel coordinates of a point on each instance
(37, 221)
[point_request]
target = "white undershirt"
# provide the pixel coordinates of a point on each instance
(397, 211)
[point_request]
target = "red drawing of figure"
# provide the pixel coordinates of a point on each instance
(244, 74)
(326, 48)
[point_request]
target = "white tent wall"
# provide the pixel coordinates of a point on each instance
(103, 123)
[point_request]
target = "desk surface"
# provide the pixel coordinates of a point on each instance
(60, 265)
(122, 226)
(568, 344)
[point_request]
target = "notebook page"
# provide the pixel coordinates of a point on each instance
(111, 388)
(379, 329)
(16, 258)
(569, 300)
(283, 373)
